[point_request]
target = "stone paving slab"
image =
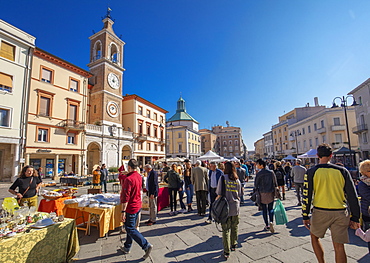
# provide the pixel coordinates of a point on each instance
(187, 238)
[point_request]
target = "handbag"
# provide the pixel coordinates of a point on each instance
(220, 207)
(256, 196)
(20, 199)
(281, 217)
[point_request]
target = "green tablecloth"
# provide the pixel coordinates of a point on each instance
(53, 244)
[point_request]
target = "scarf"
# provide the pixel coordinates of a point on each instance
(365, 180)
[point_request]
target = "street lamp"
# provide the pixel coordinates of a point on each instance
(344, 104)
(296, 133)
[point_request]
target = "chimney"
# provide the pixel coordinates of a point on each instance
(316, 100)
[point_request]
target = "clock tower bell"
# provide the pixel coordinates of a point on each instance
(106, 64)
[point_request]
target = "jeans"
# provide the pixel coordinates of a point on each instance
(189, 194)
(133, 233)
(181, 196)
(242, 195)
(212, 197)
(230, 232)
(299, 190)
(173, 197)
(270, 210)
(201, 197)
(288, 181)
(104, 182)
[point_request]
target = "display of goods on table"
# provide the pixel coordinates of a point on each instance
(51, 195)
(66, 191)
(21, 219)
(47, 184)
(98, 200)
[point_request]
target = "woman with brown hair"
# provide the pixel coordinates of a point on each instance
(280, 174)
(232, 195)
(28, 184)
(173, 180)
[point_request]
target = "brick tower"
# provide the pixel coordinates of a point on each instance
(106, 63)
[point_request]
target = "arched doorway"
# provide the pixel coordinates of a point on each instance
(126, 153)
(93, 156)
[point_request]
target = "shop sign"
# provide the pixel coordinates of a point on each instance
(43, 151)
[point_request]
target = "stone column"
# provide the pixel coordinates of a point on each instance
(79, 165)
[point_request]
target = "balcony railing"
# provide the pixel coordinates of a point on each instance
(72, 125)
(141, 137)
(338, 127)
(321, 130)
(359, 128)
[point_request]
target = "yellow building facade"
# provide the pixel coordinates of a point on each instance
(56, 115)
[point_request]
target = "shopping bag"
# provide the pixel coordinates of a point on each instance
(280, 215)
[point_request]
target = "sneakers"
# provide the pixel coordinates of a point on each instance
(125, 250)
(233, 247)
(209, 221)
(147, 251)
(172, 213)
(182, 211)
(272, 230)
(266, 228)
(150, 223)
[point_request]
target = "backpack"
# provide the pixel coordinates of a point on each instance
(279, 175)
(220, 207)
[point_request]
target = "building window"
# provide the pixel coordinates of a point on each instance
(180, 135)
(303, 131)
(42, 135)
(140, 145)
(6, 83)
(73, 85)
(322, 124)
(140, 110)
(162, 134)
(317, 141)
(161, 119)
(94, 108)
(155, 116)
(236, 142)
(44, 106)
(360, 101)
(4, 117)
(148, 129)
(236, 148)
(323, 139)
(180, 148)
(148, 113)
(304, 145)
(230, 142)
(315, 127)
(140, 127)
(7, 51)
(155, 147)
(224, 143)
(310, 141)
(46, 75)
(148, 144)
(155, 132)
(309, 129)
(236, 136)
(336, 121)
(364, 137)
(338, 138)
(71, 138)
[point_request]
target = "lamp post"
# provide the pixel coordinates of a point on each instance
(344, 104)
(295, 134)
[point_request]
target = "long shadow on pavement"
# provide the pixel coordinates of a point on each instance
(167, 230)
(199, 248)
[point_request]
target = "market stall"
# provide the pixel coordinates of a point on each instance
(36, 246)
(163, 199)
(47, 205)
(73, 180)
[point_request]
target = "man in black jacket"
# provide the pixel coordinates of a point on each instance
(152, 188)
(103, 177)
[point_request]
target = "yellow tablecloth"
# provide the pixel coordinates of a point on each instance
(110, 218)
(54, 244)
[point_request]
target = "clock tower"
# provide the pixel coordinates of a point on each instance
(106, 64)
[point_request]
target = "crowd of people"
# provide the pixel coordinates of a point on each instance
(326, 192)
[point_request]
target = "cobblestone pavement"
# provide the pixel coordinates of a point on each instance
(187, 238)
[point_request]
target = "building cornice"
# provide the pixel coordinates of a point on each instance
(363, 84)
(61, 62)
(144, 101)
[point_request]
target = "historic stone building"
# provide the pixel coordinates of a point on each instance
(107, 141)
(229, 141)
(182, 133)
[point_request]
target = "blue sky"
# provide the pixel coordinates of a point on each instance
(242, 61)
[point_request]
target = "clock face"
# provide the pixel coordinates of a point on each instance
(112, 109)
(113, 80)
